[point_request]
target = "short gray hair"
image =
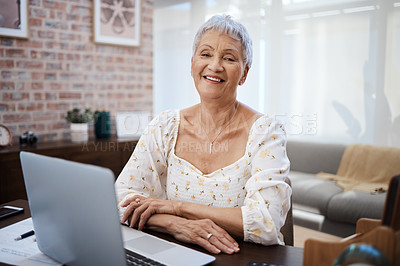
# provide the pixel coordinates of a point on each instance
(225, 24)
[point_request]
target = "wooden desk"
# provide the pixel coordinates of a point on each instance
(281, 255)
(111, 153)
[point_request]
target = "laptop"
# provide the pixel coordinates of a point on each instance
(76, 222)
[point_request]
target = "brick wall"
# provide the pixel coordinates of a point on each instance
(60, 67)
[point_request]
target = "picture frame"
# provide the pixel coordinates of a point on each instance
(14, 19)
(117, 22)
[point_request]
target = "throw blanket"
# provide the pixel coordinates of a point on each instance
(367, 168)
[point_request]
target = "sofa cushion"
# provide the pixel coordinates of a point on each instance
(312, 157)
(311, 193)
(352, 205)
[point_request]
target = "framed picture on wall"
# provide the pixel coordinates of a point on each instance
(14, 18)
(117, 22)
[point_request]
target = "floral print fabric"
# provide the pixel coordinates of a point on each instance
(255, 183)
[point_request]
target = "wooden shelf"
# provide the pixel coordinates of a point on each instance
(111, 153)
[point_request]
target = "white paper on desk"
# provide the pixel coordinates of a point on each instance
(22, 252)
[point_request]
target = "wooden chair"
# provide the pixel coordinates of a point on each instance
(385, 238)
(287, 228)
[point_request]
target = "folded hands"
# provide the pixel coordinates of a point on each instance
(203, 232)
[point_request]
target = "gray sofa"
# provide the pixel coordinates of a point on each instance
(320, 204)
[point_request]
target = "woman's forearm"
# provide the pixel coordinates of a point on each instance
(229, 219)
(162, 222)
(194, 231)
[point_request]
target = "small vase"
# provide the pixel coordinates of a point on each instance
(102, 125)
(79, 132)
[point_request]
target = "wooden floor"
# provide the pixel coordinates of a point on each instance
(301, 234)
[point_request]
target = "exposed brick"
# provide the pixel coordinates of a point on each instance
(59, 25)
(115, 95)
(6, 41)
(37, 85)
(63, 36)
(59, 15)
(7, 107)
(57, 125)
(70, 76)
(6, 63)
(20, 53)
(51, 96)
(73, 57)
(60, 67)
(44, 116)
(50, 76)
(70, 95)
(30, 106)
(38, 96)
(46, 34)
(30, 43)
(87, 19)
(15, 96)
(51, 5)
(34, 54)
(56, 45)
(81, 47)
(81, 10)
(6, 74)
(7, 86)
(32, 127)
(35, 3)
(58, 106)
(73, 17)
(54, 66)
(49, 55)
(20, 85)
(23, 75)
(30, 64)
(89, 96)
(38, 12)
(80, 86)
(37, 75)
(81, 28)
(16, 118)
(56, 86)
(35, 22)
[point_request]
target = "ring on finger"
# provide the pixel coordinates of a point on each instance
(209, 236)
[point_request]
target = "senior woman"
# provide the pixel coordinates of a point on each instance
(215, 171)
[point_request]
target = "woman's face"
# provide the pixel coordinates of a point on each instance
(218, 66)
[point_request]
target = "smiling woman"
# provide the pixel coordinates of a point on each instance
(218, 66)
(180, 181)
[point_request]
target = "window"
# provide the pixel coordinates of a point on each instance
(329, 69)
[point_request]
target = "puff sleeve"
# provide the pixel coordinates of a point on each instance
(146, 170)
(268, 195)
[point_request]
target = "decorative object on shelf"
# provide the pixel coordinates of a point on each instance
(117, 22)
(79, 124)
(131, 124)
(102, 124)
(14, 18)
(28, 138)
(5, 136)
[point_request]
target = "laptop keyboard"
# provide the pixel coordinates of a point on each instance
(135, 259)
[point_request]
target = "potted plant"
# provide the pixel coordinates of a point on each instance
(79, 123)
(102, 124)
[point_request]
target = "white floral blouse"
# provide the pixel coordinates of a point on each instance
(254, 183)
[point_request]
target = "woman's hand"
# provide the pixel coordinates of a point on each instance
(141, 208)
(204, 233)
